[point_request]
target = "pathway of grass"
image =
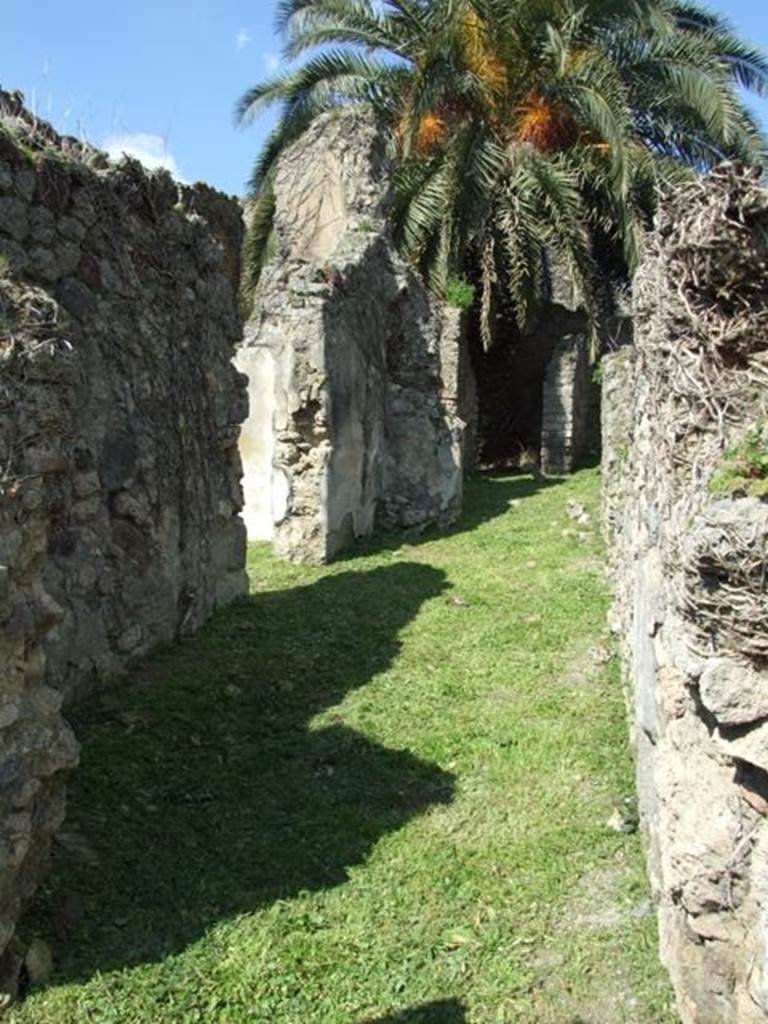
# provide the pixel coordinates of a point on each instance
(371, 792)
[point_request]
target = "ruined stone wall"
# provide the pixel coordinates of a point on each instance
(119, 471)
(363, 430)
(689, 559)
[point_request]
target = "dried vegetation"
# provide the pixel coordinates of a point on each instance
(704, 307)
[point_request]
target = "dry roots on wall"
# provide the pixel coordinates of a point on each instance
(119, 473)
(691, 572)
(712, 385)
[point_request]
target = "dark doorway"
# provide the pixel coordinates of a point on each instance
(510, 380)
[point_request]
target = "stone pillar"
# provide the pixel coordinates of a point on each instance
(566, 406)
(459, 386)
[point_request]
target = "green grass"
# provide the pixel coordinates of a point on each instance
(743, 470)
(376, 791)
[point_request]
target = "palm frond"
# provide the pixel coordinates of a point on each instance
(523, 131)
(259, 234)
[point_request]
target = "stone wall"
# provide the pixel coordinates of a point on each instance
(119, 470)
(364, 428)
(692, 606)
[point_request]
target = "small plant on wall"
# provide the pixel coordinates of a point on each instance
(459, 293)
(744, 467)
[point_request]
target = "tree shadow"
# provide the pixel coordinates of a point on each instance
(487, 495)
(205, 788)
(446, 1011)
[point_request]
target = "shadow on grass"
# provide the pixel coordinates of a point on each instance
(487, 495)
(205, 791)
(446, 1011)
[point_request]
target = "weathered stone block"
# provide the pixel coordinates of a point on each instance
(13, 218)
(734, 691)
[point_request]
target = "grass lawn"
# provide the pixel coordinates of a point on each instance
(375, 791)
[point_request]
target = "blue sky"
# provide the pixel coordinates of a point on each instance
(160, 78)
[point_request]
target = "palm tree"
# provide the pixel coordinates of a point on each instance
(523, 131)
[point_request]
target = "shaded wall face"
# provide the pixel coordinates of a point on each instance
(424, 464)
(120, 488)
(396, 456)
(356, 345)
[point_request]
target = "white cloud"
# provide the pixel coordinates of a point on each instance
(243, 39)
(271, 62)
(149, 150)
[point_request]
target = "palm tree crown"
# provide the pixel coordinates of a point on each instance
(522, 130)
